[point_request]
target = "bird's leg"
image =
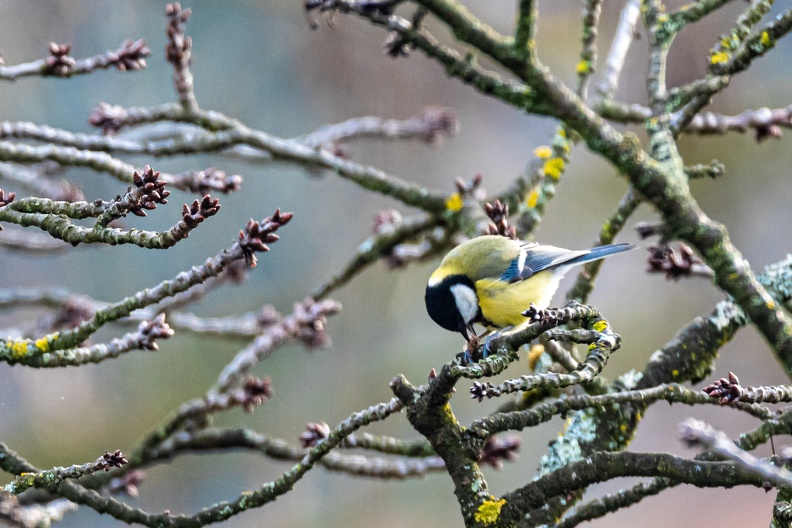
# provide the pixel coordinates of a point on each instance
(490, 335)
(473, 344)
(471, 348)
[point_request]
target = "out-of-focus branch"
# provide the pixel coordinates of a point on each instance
(714, 169)
(129, 56)
(623, 38)
(728, 390)
(530, 194)
(69, 156)
(178, 52)
(524, 33)
(306, 323)
(389, 445)
(230, 132)
(252, 393)
(588, 55)
(360, 465)
(33, 515)
(430, 126)
(455, 63)
(35, 180)
(235, 388)
(584, 283)
(376, 248)
(734, 54)
(693, 12)
(241, 326)
(27, 242)
(694, 432)
(765, 122)
(676, 264)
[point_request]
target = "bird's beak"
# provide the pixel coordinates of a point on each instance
(463, 329)
(467, 331)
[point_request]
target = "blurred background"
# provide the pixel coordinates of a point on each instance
(259, 61)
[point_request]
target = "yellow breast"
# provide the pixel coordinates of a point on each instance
(502, 302)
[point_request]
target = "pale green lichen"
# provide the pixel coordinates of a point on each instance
(580, 429)
(629, 380)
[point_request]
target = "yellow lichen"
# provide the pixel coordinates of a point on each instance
(489, 511)
(600, 325)
(765, 39)
(534, 355)
(582, 67)
(719, 57)
(533, 198)
(675, 373)
(543, 152)
(454, 202)
(554, 167)
(43, 344)
(19, 347)
(770, 305)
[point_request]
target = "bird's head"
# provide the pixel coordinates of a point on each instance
(453, 304)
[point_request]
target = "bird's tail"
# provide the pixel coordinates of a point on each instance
(601, 252)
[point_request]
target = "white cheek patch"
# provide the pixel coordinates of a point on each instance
(466, 302)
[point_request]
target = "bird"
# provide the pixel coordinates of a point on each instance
(490, 280)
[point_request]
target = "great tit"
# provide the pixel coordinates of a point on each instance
(491, 279)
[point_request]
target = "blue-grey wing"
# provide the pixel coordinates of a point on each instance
(534, 258)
